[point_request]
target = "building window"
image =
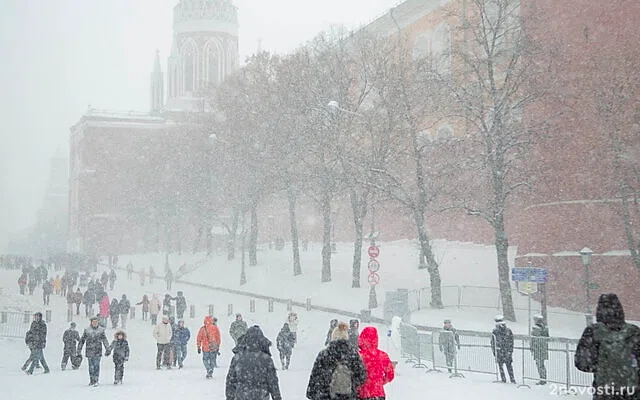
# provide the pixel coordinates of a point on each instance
(213, 64)
(189, 67)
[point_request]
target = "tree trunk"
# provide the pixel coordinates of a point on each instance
(359, 209)
(231, 244)
(326, 239)
(428, 260)
(196, 242)
(253, 236)
(502, 251)
(295, 246)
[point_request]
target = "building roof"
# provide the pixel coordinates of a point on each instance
(401, 16)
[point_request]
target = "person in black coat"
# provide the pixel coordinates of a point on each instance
(70, 339)
(95, 338)
(181, 305)
(338, 351)
(120, 349)
(114, 313)
(354, 333)
(332, 325)
(36, 340)
(252, 374)
(502, 348)
(285, 342)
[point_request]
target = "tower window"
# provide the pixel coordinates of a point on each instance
(189, 68)
(213, 64)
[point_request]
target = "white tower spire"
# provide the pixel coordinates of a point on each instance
(157, 86)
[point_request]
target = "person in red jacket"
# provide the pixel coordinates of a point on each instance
(377, 363)
(208, 343)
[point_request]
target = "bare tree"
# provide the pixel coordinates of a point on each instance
(496, 76)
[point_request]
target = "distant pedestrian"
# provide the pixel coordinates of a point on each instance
(502, 348)
(168, 278)
(77, 299)
(540, 347)
(449, 343)
(182, 336)
(70, 339)
(95, 338)
(208, 344)
(333, 324)
(114, 313)
(154, 308)
(105, 309)
(112, 278)
(238, 328)
(292, 320)
(124, 306)
(130, 271)
(120, 349)
(285, 342)
(141, 273)
(354, 333)
(36, 340)
(47, 290)
(145, 307)
(181, 305)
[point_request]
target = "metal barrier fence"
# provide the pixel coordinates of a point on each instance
(438, 351)
(15, 324)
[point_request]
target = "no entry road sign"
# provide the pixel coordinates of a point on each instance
(373, 251)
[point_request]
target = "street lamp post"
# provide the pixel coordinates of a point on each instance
(586, 254)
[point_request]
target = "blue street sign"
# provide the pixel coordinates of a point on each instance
(537, 275)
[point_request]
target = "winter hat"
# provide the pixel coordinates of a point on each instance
(341, 332)
(165, 319)
(94, 318)
(447, 321)
(73, 324)
(499, 319)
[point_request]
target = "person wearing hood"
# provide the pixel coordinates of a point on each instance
(252, 374)
(36, 340)
(332, 325)
(105, 309)
(208, 344)
(95, 338)
(70, 339)
(354, 332)
(284, 343)
(154, 308)
(166, 305)
(162, 333)
(181, 305)
(114, 313)
(238, 328)
(379, 368)
(338, 371)
(540, 347)
(120, 349)
(502, 348)
(610, 348)
(124, 307)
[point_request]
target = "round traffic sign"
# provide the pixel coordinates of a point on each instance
(373, 278)
(373, 251)
(373, 265)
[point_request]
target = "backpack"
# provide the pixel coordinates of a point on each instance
(340, 380)
(615, 356)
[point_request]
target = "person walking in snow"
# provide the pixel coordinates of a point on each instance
(354, 332)
(141, 273)
(252, 374)
(94, 338)
(238, 328)
(145, 306)
(338, 371)
(168, 278)
(71, 299)
(114, 313)
(77, 299)
(120, 349)
(112, 278)
(89, 298)
(36, 340)
(208, 344)
(70, 339)
(124, 306)
(285, 341)
(292, 320)
(332, 325)
(22, 283)
(154, 308)
(182, 336)
(130, 271)
(162, 334)
(376, 362)
(166, 305)
(152, 274)
(502, 348)
(105, 309)
(449, 343)
(181, 305)
(47, 289)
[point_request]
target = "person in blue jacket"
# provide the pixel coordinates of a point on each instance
(181, 338)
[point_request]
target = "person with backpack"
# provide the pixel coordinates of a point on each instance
(120, 349)
(238, 328)
(502, 348)
(208, 344)
(252, 374)
(449, 342)
(70, 339)
(377, 363)
(285, 341)
(338, 371)
(540, 347)
(609, 348)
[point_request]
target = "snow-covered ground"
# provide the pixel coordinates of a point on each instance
(462, 264)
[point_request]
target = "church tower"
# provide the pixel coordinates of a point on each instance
(157, 86)
(204, 51)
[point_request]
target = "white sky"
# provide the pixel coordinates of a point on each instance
(59, 56)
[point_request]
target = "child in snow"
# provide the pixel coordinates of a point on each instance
(120, 349)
